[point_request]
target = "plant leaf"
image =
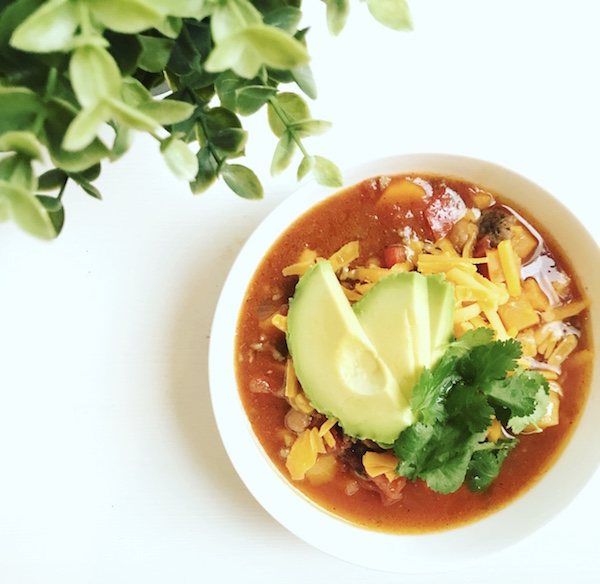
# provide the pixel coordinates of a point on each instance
(232, 17)
(132, 116)
(394, 14)
(52, 180)
(20, 107)
(306, 128)
(55, 126)
(27, 211)
(170, 27)
(291, 107)
(276, 48)
(55, 210)
(251, 98)
(179, 158)
(307, 164)
(207, 171)
(17, 170)
(227, 85)
(91, 173)
(284, 152)
(245, 52)
(126, 50)
(156, 52)
(286, 18)
(85, 184)
(337, 15)
(303, 77)
(326, 173)
(50, 28)
(127, 16)
(133, 92)
(95, 75)
(230, 141)
(84, 128)
(167, 111)
(242, 181)
(22, 142)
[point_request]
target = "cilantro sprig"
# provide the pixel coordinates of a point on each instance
(453, 404)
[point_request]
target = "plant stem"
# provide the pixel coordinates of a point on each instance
(62, 189)
(286, 122)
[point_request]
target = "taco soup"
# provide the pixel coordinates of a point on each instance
(414, 352)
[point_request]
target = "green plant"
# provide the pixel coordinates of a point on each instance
(77, 77)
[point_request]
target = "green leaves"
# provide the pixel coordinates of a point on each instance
(94, 74)
(251, 98)
(486, 462)
(127, 16)
(179, 158)
(290, 120)
(242, 181)
(20, 108)
(21, 141)
(50, 28)
(78, 78)
(394, 14)
(337, 15)
(26, 210)
(324, 171)
(245, 44)
(476, 380)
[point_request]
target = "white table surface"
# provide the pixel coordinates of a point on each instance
(112, 469)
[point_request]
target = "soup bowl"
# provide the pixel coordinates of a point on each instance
(407, 553)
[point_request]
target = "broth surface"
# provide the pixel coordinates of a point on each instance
(358, 214)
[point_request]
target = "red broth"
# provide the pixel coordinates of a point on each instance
(362, 213)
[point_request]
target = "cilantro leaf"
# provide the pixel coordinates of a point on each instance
(485, 464)
(454, 403)
(518, 423)
(470, 406)
(427, 397)
(518, 392)
(472, 338)
(446, 471)
(411, 448)
(490, 361)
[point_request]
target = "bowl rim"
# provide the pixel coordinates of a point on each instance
(400, 553)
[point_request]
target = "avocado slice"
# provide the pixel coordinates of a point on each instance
(409, 319)
(395, 316)
(337, 365)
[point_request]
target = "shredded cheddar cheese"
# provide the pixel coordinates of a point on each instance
(307, 259)
(380, 463)
(279, 321)
(325, 432)
(511, 266)
(303, 453)
(344, 256)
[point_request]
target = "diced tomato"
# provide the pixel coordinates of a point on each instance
(268, 382)
(482, 246)
(390, 492)
(443, 211)
(394, 254)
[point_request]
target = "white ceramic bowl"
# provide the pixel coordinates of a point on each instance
(405, 553)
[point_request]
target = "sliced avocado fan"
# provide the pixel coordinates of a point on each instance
(359, 364)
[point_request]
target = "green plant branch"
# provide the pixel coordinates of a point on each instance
(68, 68)
(288, 124)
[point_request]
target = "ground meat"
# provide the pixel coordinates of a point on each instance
(496, 225)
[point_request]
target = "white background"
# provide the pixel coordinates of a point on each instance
(111, 466)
